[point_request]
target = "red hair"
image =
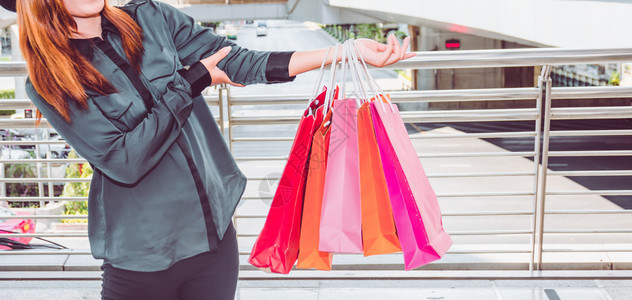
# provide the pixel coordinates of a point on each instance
(57, 70)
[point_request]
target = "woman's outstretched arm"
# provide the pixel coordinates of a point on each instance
(374, 53)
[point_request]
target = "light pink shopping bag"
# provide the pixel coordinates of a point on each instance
(415, 206)
(341, 218)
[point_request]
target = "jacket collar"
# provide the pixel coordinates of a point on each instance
(85, 46)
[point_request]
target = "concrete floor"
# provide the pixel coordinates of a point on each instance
(361, 289)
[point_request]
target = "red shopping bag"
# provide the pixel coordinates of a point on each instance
(308, 254)
(415, 206)
(278, 244)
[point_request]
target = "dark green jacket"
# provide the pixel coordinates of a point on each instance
(165, 185)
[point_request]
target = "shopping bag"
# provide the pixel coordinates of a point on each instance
(378, 227)
(414, 203)
(308, 255)
(341, 220)
(277, 246)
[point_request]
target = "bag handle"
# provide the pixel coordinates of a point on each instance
(373, 83)
(332, 75)
(359, 79)
(320, 77)
(360, 90)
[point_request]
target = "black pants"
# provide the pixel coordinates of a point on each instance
(203, 276)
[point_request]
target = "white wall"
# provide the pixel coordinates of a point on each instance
(560, 23)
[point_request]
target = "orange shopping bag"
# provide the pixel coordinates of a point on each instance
(378, 226)
(308, 254)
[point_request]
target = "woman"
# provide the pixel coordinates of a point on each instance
(112, 81)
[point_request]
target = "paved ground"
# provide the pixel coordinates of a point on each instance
(361, 289)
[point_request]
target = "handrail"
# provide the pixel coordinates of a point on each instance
(512, 58)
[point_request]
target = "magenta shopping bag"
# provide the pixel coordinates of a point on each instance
(415, 206)
(341, 218)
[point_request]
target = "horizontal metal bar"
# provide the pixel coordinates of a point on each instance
(473, 232)
(29, 199)
(23, 123)
(212, 100)
(590, 92)
(412, 137)
(590, 132)
(480, 174)
(587, 250)
(436, 155)
(43, 160)
(581, 113)
(28, 143)
(591, 173)
(518, 114)
(460, 95)
(46, 217)
(511, 58)
(477, 154)
(47, 252)
(264, 139)
(591, 153)
(588, 231)
(13, 68)
(444, 175)
(440, 195)
(45, 179)
(587, 212)
(517, 134)
(444, 214)
(66, 234)
(592, 192)
(464, 95)
(8, 104)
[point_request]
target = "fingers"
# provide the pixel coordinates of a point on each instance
(218, 76)
(383, 57)
(214, 59)
(404, 47)
(409, 55)
(397, 47)
(235, 84)
(380, 47)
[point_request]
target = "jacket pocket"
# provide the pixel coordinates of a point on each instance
(113, 106)
(119, 109)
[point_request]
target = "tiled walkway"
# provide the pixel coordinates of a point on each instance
(361, 289)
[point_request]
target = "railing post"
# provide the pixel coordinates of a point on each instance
(226, 89)
(536, 163)
(221, 111)
(230, 116)
(541, 194)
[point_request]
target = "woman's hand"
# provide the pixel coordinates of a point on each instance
(217, 75)
(380, 55)
(374, 53)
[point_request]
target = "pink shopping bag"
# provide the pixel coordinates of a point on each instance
(415, 206)
(341, 218)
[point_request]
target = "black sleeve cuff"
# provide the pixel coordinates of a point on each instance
(198, 77)
(277, 68)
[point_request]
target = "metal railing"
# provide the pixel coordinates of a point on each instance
(541, 114)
